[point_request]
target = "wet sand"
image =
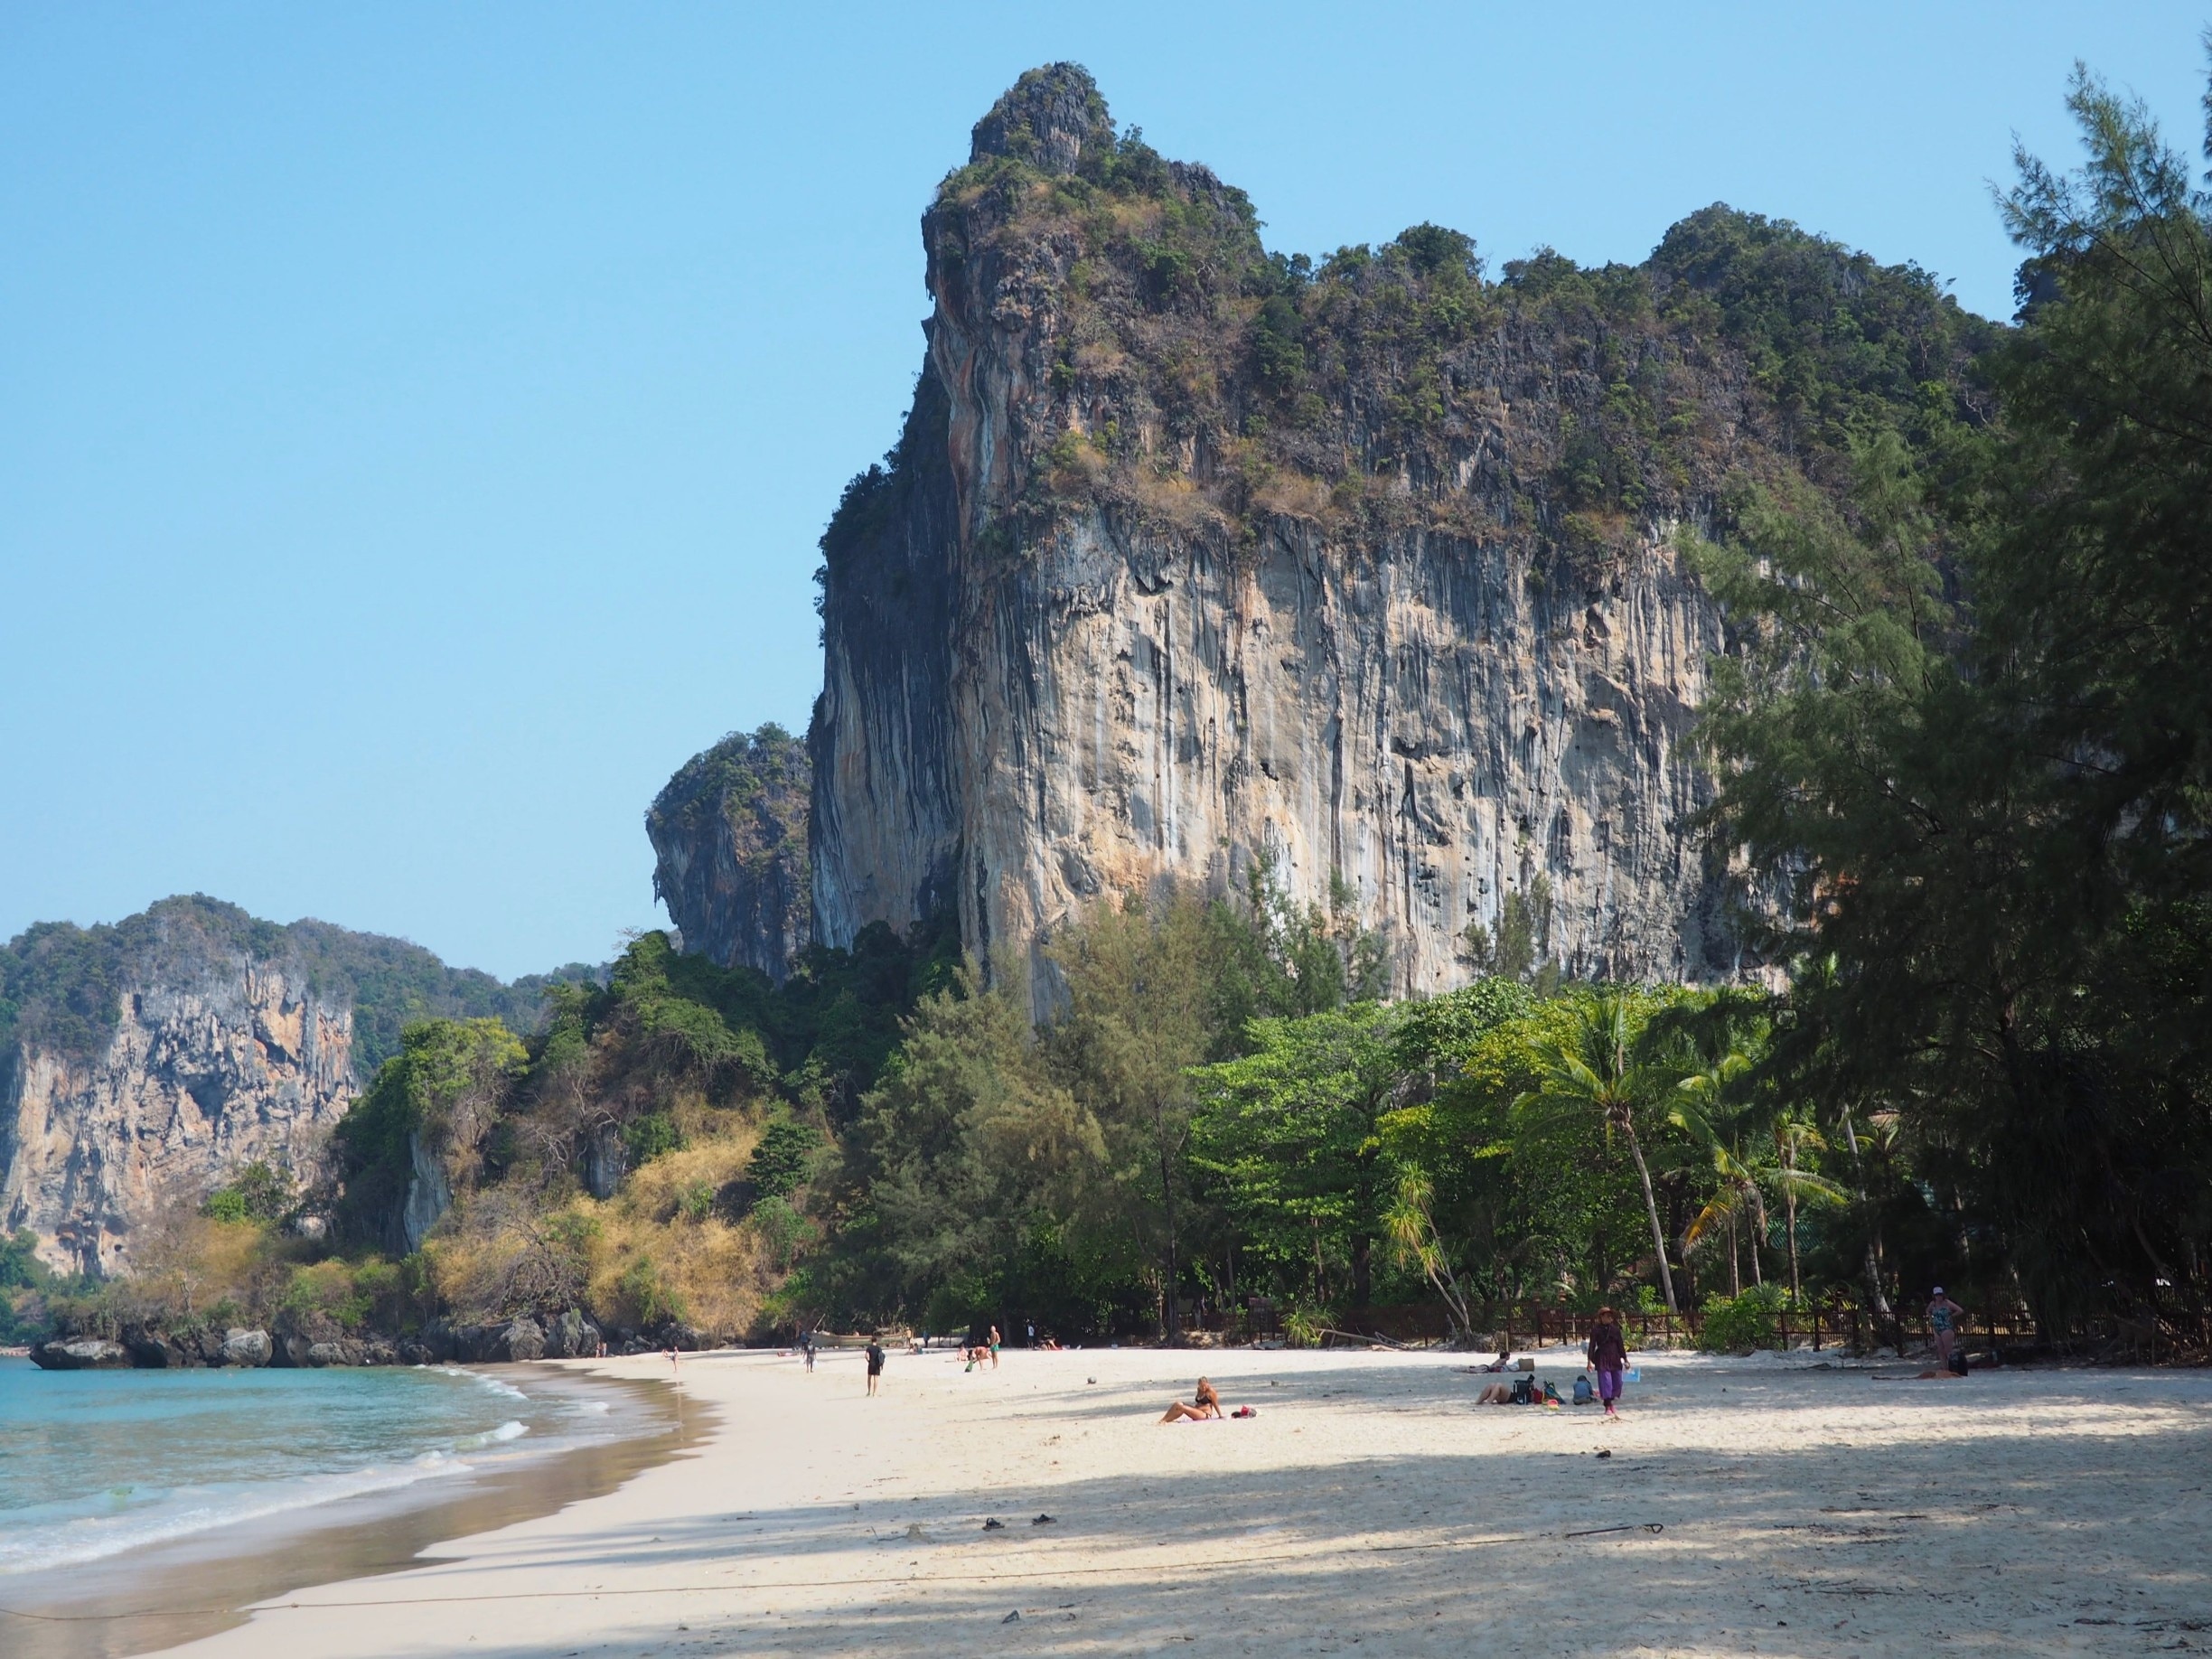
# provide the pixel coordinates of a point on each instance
(146, 1600)
(1369, 1508)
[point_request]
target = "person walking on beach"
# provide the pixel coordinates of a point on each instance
(1944, 1316)
(810, 1352)
(875, 1364)
(1606, 1354)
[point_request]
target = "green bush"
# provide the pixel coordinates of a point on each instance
(647, 1138)
(1739, 1323)
(651, 1299)
(784, 1158)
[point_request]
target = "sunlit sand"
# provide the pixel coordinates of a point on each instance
(1751, 1509)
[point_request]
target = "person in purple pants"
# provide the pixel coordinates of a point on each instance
(1606, 1354)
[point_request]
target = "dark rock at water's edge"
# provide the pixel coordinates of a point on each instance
(729, 835)
(315, 1342)
(80, 1354)
(572, 1337)
(243, 1348)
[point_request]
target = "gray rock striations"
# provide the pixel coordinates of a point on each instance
(1190, 555)
(145, 1064)
(729, 836)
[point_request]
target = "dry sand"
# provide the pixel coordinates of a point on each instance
(1368, 1508)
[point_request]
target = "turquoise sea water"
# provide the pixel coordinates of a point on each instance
(93, 1463)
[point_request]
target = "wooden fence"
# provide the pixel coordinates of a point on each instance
(1842, 1325)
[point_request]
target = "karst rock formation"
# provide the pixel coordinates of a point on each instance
(1377, 575)
(215, 1059)
(146, 1063)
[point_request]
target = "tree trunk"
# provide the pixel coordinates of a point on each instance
(1789, 1206)
(1362, 1251)
(1651, 1208)
(1758, 1237)
(1171, 1311)
(1735, 1259)
(1873, 1247)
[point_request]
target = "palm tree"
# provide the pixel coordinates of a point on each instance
(1593, 1071)
(1699, 1108)
(1747, 1174)
(1410, 1222)
(1794, 1137)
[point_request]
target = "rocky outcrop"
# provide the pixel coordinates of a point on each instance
(571, 1337)
(729, 836)
(1191, 558)
(144, 1063)
(81, 1354)
(429, 1194)
(224, 1061)
(247, 1348)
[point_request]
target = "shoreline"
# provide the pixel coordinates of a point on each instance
(1736, 1508)
(154, 1597)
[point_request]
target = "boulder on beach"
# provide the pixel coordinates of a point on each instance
(571, 1337)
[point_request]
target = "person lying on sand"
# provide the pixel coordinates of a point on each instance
(1521, 1391)
(1504, 1359)
(1207, 1404)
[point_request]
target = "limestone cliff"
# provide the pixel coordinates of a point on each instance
(1190, 554)
(217, 1057)
(143, 1064)
(729, 836)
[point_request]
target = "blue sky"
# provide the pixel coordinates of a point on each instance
(415, 420)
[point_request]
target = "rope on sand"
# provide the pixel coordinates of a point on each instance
(868, 1583)
(1599, 1531)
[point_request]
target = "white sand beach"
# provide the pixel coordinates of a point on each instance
(1369, 1507)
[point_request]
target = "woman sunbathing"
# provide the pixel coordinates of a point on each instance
(1208, 1404)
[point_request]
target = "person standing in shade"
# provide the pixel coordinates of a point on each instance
(1606, 1354)
(1944, 1319)
(1031, 1330)
(874, 1365)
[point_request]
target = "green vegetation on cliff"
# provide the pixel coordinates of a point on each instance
(1198, 377)
(60, 985)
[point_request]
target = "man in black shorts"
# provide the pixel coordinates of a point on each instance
(875, 1360)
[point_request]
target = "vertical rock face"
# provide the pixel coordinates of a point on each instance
(1190, 555)
(144, 1063)
(729, 835)
(202, 1074)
